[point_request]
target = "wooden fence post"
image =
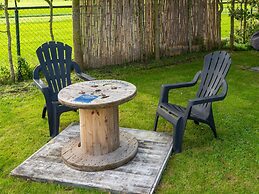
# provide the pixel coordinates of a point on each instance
(190, 24)
(157, 28)
(141, 29)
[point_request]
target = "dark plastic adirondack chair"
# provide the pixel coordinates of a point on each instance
(199, 109)
(255, 41)
(56, 66)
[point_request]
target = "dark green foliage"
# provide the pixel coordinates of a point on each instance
(4, 75)
(246, 12)
(225, 44)
(24, 71)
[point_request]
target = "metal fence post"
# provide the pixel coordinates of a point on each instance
(18, 45)
(17, 27)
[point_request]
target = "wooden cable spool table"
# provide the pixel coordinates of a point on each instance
(101, 146)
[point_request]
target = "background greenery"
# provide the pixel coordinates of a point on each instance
(228, 164)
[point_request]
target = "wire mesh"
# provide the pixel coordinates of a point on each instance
(34, 30)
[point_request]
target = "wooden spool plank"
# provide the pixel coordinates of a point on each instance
(105, 93)
(74, 156)
(99, 147)
(99, 130)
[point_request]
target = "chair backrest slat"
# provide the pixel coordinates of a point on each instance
(215, 69)
(62, 64)
(55, 60)
(55, 65)
(68, 55)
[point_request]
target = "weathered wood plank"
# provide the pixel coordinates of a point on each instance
(141, 175)
(54, 172)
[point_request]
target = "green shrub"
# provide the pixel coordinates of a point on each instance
(246, 12)
(4, 75)
(24, 71)
(225, 44)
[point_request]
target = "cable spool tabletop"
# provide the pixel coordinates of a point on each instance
(101, 145)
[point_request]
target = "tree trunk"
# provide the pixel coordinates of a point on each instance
(78, 54)
(51, 22)
(232, 25)
(245, 21)
(242, 18)
(10, 56)
(50, 2)
(220, 10)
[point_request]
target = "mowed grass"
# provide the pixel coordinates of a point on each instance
(225, 26)
(228, 164)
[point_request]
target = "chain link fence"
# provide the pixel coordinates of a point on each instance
(34, 30)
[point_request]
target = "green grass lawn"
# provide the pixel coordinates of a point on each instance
(228, 164)
(225, 26)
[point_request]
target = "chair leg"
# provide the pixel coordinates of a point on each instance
(156, 121)
(55, 130)
(212, 125)
(56, 117)
(178, 135)
(43, 115)
(50, 120)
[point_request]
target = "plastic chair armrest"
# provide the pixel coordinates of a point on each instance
(85, 76)
(213, 98)
(167, 87)
(39, 83)
(79, 73)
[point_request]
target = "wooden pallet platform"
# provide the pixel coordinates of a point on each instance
(140, 175)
